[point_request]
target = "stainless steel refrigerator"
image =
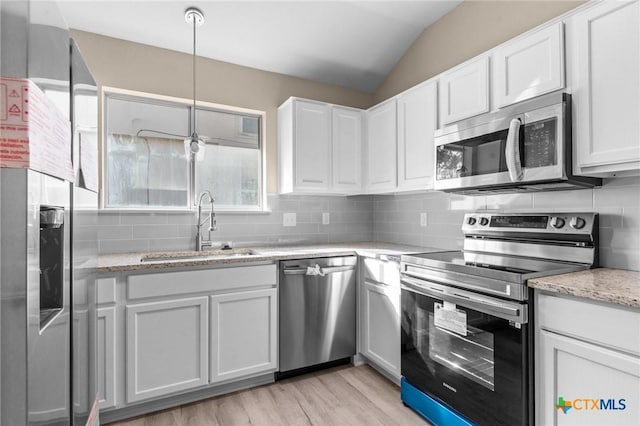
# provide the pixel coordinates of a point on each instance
(47, 266)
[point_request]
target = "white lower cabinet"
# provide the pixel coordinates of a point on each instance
(588, 360)
(243, 334)
(381, 331)
(106, 351)
(379, 314)
(179, 333)
(167, 347)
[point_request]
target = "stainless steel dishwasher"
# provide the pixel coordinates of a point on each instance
(317, 312)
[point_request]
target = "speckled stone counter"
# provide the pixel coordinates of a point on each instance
(603, 284)
(162, 260)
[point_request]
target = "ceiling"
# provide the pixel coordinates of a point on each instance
(353, 44)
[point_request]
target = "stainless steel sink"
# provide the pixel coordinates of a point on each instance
(197, 255)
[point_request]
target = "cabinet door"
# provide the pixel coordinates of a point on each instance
(528, 67)
(243, 334)
(464, 91)
(106, 349)
(381, 147)
(381, 326)
(605, 77)
(417, 121)
(346, 142)
(167, 347)
(312, 146)
(570, 370)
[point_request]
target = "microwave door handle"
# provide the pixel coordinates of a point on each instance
(512, 151)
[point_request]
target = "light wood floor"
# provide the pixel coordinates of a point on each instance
(344, 395)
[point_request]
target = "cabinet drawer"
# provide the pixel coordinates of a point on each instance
(207, 280)
(381, 271)
(608, 326)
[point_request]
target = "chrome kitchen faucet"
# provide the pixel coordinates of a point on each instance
(200, 242)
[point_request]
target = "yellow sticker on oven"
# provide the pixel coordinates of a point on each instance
(448, 317)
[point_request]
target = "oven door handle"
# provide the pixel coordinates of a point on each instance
(479, 303)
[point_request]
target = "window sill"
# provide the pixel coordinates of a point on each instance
(220, 212)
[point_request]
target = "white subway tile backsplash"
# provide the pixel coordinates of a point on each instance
(105, 219)
(610, 217)
(155, 231)
(182, 219)
(631, 218)
(390, 218)
(620, 258)
(144, 218)
(617, 201)
(576, 200)
(467, 203)
(164, 244)
(619, 196)
(123, 246)
(509, 202)
(115, 232)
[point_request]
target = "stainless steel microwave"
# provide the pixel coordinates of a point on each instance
(522, 148)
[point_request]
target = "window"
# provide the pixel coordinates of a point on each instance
(146, 166)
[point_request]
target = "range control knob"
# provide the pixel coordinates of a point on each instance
(484, 221)
(577, 222)
(557, 222)
(471, 221)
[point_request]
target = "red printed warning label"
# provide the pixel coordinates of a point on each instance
(33, 132)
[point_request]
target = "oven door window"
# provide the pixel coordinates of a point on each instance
(479, 370)
(470, 353)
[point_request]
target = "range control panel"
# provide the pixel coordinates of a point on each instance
(563, 223)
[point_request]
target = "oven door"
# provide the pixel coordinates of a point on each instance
(469, 351)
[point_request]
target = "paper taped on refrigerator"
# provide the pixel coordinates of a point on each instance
(34, 134)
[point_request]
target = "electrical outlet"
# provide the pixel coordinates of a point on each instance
(423, 219)
(325, 218)
(289, 219)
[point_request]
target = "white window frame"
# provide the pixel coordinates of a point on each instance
(106, 91)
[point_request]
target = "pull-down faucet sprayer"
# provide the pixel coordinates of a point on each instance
(200, 241)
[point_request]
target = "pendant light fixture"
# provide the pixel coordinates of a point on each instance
(194, 145)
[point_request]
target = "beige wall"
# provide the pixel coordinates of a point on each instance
(468, 30)
(133, 66)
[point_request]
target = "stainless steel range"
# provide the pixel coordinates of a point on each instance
(466, 338)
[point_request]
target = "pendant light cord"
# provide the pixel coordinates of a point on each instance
(193, 132)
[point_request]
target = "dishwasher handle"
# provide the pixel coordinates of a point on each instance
(317, 270)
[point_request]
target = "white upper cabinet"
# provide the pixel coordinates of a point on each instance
(417, 121)
(603, 44)
(319, 148)
(304, 148)
(530, 66)
(464, 91)
(381, 147)
(346, 144)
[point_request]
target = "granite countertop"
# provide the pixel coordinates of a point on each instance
(163, 260)
(603, 284)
